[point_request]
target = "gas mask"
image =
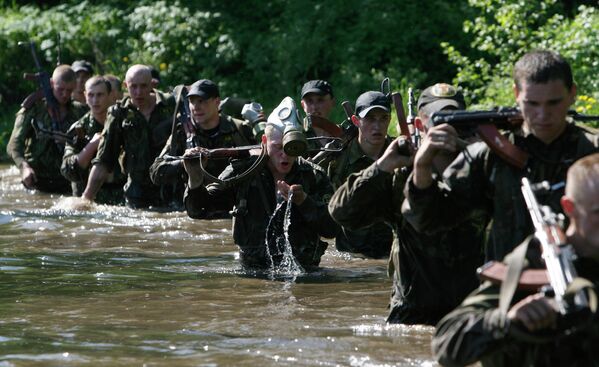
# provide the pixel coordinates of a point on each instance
(286, 119)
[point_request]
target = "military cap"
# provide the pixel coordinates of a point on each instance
(204, 88)
(320, 87)
(440, 96)
(370, 100)
(82, 65)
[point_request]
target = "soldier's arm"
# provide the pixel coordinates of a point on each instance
(98, 174)
(163, 171)
(472, 331)
(366, 197)
(16, 147)
(447, 203)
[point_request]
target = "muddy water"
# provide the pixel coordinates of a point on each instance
(112, 286)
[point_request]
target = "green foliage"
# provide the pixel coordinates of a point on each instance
(504, 30)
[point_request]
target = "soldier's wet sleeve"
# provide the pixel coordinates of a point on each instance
(474, 330)
(314, 208)
(215, 197)
(69, 168)
(447, 203)
(163, 171)
(20, 132)
(111, 141)
(365, 198)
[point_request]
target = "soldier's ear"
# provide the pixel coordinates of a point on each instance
(263, 138)
(418, 124)
(567, 205)
(355, 120)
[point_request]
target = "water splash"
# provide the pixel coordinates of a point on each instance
(283, 263)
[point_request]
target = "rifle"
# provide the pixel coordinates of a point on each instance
(399, 111)
(557, 253)
(410, 119)
(182, 113)
(346, 133)
(43, 79)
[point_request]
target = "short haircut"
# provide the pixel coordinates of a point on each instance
(542, 66)
(584, 173)
(115, 82)
(64, 73)
(97, 80)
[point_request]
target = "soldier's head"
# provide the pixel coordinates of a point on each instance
(544, 91)
(139, 84)
(278, 160)
(97, 96)
(317, 98)
(438, 97)
(373, 115)
(204, 99)
(581, 205)
(116, 91)
(63, 83)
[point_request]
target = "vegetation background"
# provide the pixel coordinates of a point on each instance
(266, 49)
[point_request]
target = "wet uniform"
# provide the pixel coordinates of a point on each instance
(431, 274)
(40, 150)
(255, 200)
(127, 130)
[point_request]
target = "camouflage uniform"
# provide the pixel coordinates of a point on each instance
(476, 330)
(255, 199)
(373, 241)
(229, 133)
(127, 130)
(84, 130)
(40, 150)
(480, 180)
(431, 274)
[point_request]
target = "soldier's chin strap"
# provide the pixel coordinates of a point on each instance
(233, 180)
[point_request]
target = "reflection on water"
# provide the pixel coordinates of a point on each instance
(112, 286)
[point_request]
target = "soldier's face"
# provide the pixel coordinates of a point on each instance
(97, 98)
(204, 111)
(277, 158)
(139, 86)
(585, 221)
(62, 91)
(373, 127)
(544, 107)
(314, 104)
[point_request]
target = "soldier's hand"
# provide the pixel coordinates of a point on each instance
(400, 153)
(441, 138)
(298, 192)
(28, 177)
(535, 312)
(192, 167)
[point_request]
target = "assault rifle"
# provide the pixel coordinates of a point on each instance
(346, 133)
(558, 255)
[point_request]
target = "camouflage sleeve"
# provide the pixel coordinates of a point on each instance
(215, 197)
(314, 208)
(367, 197)
(164, 171)
(111, 142)
(446, 204)
(69, 168)
(21, 131)
(473, 330)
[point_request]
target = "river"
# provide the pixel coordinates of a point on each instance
(113, 286)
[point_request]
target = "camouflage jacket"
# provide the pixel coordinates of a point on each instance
(39, 149)
(431, 273)
(476, 330)
(254, 200)
(127, 131)
(83, 131)
(372, 241)
(479, 180)
(231, 133)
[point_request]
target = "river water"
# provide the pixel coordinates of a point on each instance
(112, 286)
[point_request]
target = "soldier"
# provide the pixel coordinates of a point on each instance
(372, 119)
(431, 273)
(479, 330)
(116, 90)
(83, 70)
(207, 129)
(87, 131)
(138, 126)
(256, 196)
(480, 180)
(38, 155)
(318, 100)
